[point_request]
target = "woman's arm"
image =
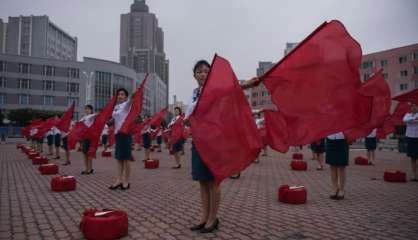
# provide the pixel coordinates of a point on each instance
(253, 82)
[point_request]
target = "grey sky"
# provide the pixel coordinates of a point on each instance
(243, 31)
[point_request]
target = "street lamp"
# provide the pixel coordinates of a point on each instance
(89, 77)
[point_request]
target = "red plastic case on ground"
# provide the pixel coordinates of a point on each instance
(39, 160)
(299, 165)
(293, 195)
(394, 176)
(48, 169)
(104, 224)
(361, 161)
(106, 154)
(152, 163)
(63, 183)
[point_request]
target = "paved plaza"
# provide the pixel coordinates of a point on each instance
(163, 203)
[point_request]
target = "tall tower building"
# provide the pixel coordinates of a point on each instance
(37, 36)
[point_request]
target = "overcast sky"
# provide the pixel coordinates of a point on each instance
(243, 31)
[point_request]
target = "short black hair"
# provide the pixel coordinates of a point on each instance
(89, 106)
(200, 64)
(123, 90)
(178, 108)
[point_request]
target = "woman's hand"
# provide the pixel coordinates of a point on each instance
(253, 82)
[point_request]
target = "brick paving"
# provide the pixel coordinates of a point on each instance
(163, 203)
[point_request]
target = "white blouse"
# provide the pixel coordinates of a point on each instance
(88, 120)
(193, 101)
(411, 120)
(335, 136)
(120, 112)
(372, 133)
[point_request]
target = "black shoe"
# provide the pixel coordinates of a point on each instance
(56, 157)
(334, 196)
(66, 164)
(198, 227)
(84, 172)
(91, 172)
(125, 188)
(177, 167)
(236, 176)
(212, 228)
(114, 187)
(340, 197)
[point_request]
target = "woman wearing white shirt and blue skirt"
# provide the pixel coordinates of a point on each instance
(123, 147)
(411, 120)
(371, 145)
(337, 157)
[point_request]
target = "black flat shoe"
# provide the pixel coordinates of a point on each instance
(340, 197)
(414, 180)
(91, 171)
(198, 227)
(177, 167)
(84, 172)
(236, 176)
(215, 226)
(114, 187)
(334, 196)
(125, 188)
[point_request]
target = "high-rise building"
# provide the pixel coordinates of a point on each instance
(3, 29)
(142, 48)
(260, 96)
(37, 36)
(289, 47)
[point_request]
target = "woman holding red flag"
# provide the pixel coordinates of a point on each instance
(123, 148)
(88, 120)
(209, 191)
(176, 128)
(411, 120)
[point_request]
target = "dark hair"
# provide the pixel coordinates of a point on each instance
(178, 108)
(200, 64)
(123, 90)
(89, 106)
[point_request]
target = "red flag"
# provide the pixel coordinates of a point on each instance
(26, 130)
(111, 136)
(93, 133)
(45, 127)
(395, 119)
(315, 85)
(76, 134)
(223, 129)
(276, 130)
(65, 121)
(136, 108)
(411, 96)
(158, 118)
(377, 88)
(177, 130)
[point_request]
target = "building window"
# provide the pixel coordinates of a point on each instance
(366, 76)
(73, 87)
(24, 83)
(48, 85)
(254, 103)
(73, 73)
(385, 76)
(403, 59)
(3, 82)
(102, 88)
(48, 71)
(403, 86)
(383, 63)
(262, 102)
(70, 101)
(2, 66)
(255, 94)
(416, 55)
(367, 64)
(24, 99)
(48, 100)
(416, 70)
(3, 98)
(24, 68)
(404, 73)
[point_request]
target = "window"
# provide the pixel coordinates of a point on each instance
(261, 102)
(416, 55)
(254, 103)
(367, 64)
(3, 82)
(404, 73)
(48, 85)
(24, 68)
(48, 100)
(403, 86)
(265, 93)
(383, 63)
(255, 94)
(3, 66)
(24, 99)
(3, 98)
(73, 87)
(416, 70)
(385, 76)
(48, 71)
(366, 76)
(24, 83)
(73, 73)
(403, 59)
(70, 101)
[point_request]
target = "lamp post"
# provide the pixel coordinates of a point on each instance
(89, 77)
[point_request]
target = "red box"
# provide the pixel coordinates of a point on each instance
(297, 156)
(152, 163)
(299, 165)
(32, 155)
(394, 176)
(106, 154)
(361, 161)
(48, 169)
(112, 224)
(292, 195)
(63, 183)
(39, 160)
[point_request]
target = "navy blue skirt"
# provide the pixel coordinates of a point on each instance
(412, 148)
(199, 170)
(177, 147)
(146, 140)
(318, 148)
(65, 143)
(159, 140)
(40, 140)
(337, 153)
(104, 139)
(371, 143)
(123, 148)
(57, 140)
(50, 140)
(85, 146)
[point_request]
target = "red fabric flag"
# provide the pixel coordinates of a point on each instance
(223, 129)
(93, 133)
(177, 130)
(111, 136)
(411, 96)
(65, 121)
(136, 108)
(315, 85)
(26, 130)
(377, 88)
(76, 134)
(395, 119)
(158, 118)
(276, 131)
(45, 127)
